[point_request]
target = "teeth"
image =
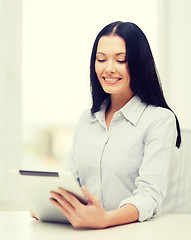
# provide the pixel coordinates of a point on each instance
(111, 80)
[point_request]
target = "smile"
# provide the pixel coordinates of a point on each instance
(111, 80)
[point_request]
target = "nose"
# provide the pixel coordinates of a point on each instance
(110, 68)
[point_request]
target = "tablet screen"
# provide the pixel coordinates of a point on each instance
(36, 187)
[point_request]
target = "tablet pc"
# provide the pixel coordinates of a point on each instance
(36, 187)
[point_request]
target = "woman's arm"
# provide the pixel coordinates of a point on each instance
(92, 215)
(151, 183)
(126, 214)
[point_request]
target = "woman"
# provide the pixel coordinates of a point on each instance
(123, 145)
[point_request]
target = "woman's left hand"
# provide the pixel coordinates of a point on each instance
(79, 215)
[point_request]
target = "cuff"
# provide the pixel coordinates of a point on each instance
(146, 207)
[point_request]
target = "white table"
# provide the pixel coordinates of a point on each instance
(19, 226)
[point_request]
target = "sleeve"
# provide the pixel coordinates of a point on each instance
(151, 184)
(70, 163)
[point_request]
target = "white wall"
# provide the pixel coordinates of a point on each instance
(174, 22)
(57, 49)
(10, 95)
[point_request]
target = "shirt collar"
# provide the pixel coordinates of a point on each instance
(100, 115)
(132, 111)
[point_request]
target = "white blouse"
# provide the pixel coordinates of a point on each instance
(128, 163)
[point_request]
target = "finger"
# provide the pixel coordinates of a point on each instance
(62, 202)
(33, 215)
(70, 198)
(92, 198)
(70, 217)
(61, 208)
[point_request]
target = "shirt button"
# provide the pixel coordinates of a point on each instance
(118, 114)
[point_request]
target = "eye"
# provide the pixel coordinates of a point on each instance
(99, 60)
(121, 61)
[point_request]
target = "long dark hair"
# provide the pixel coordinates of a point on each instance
(144, 80)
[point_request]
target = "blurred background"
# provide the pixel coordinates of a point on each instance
(45, 48)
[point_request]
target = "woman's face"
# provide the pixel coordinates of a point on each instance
(111, 65)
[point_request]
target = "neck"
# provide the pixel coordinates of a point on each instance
(117, 102)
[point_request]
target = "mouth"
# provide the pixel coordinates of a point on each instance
(111, 80)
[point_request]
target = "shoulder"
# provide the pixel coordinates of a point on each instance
(159, 120)
(86, 116)
(85, 119)
(159, 114)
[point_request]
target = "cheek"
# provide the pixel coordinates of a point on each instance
(123, 70)
(98, 69)
(125, 73)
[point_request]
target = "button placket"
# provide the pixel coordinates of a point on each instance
(98, 169)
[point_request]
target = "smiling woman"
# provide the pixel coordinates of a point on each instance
(121, 153)
(50, 102)
(112, 71)
(110, 65)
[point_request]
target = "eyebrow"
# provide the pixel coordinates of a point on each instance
(117, 54)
